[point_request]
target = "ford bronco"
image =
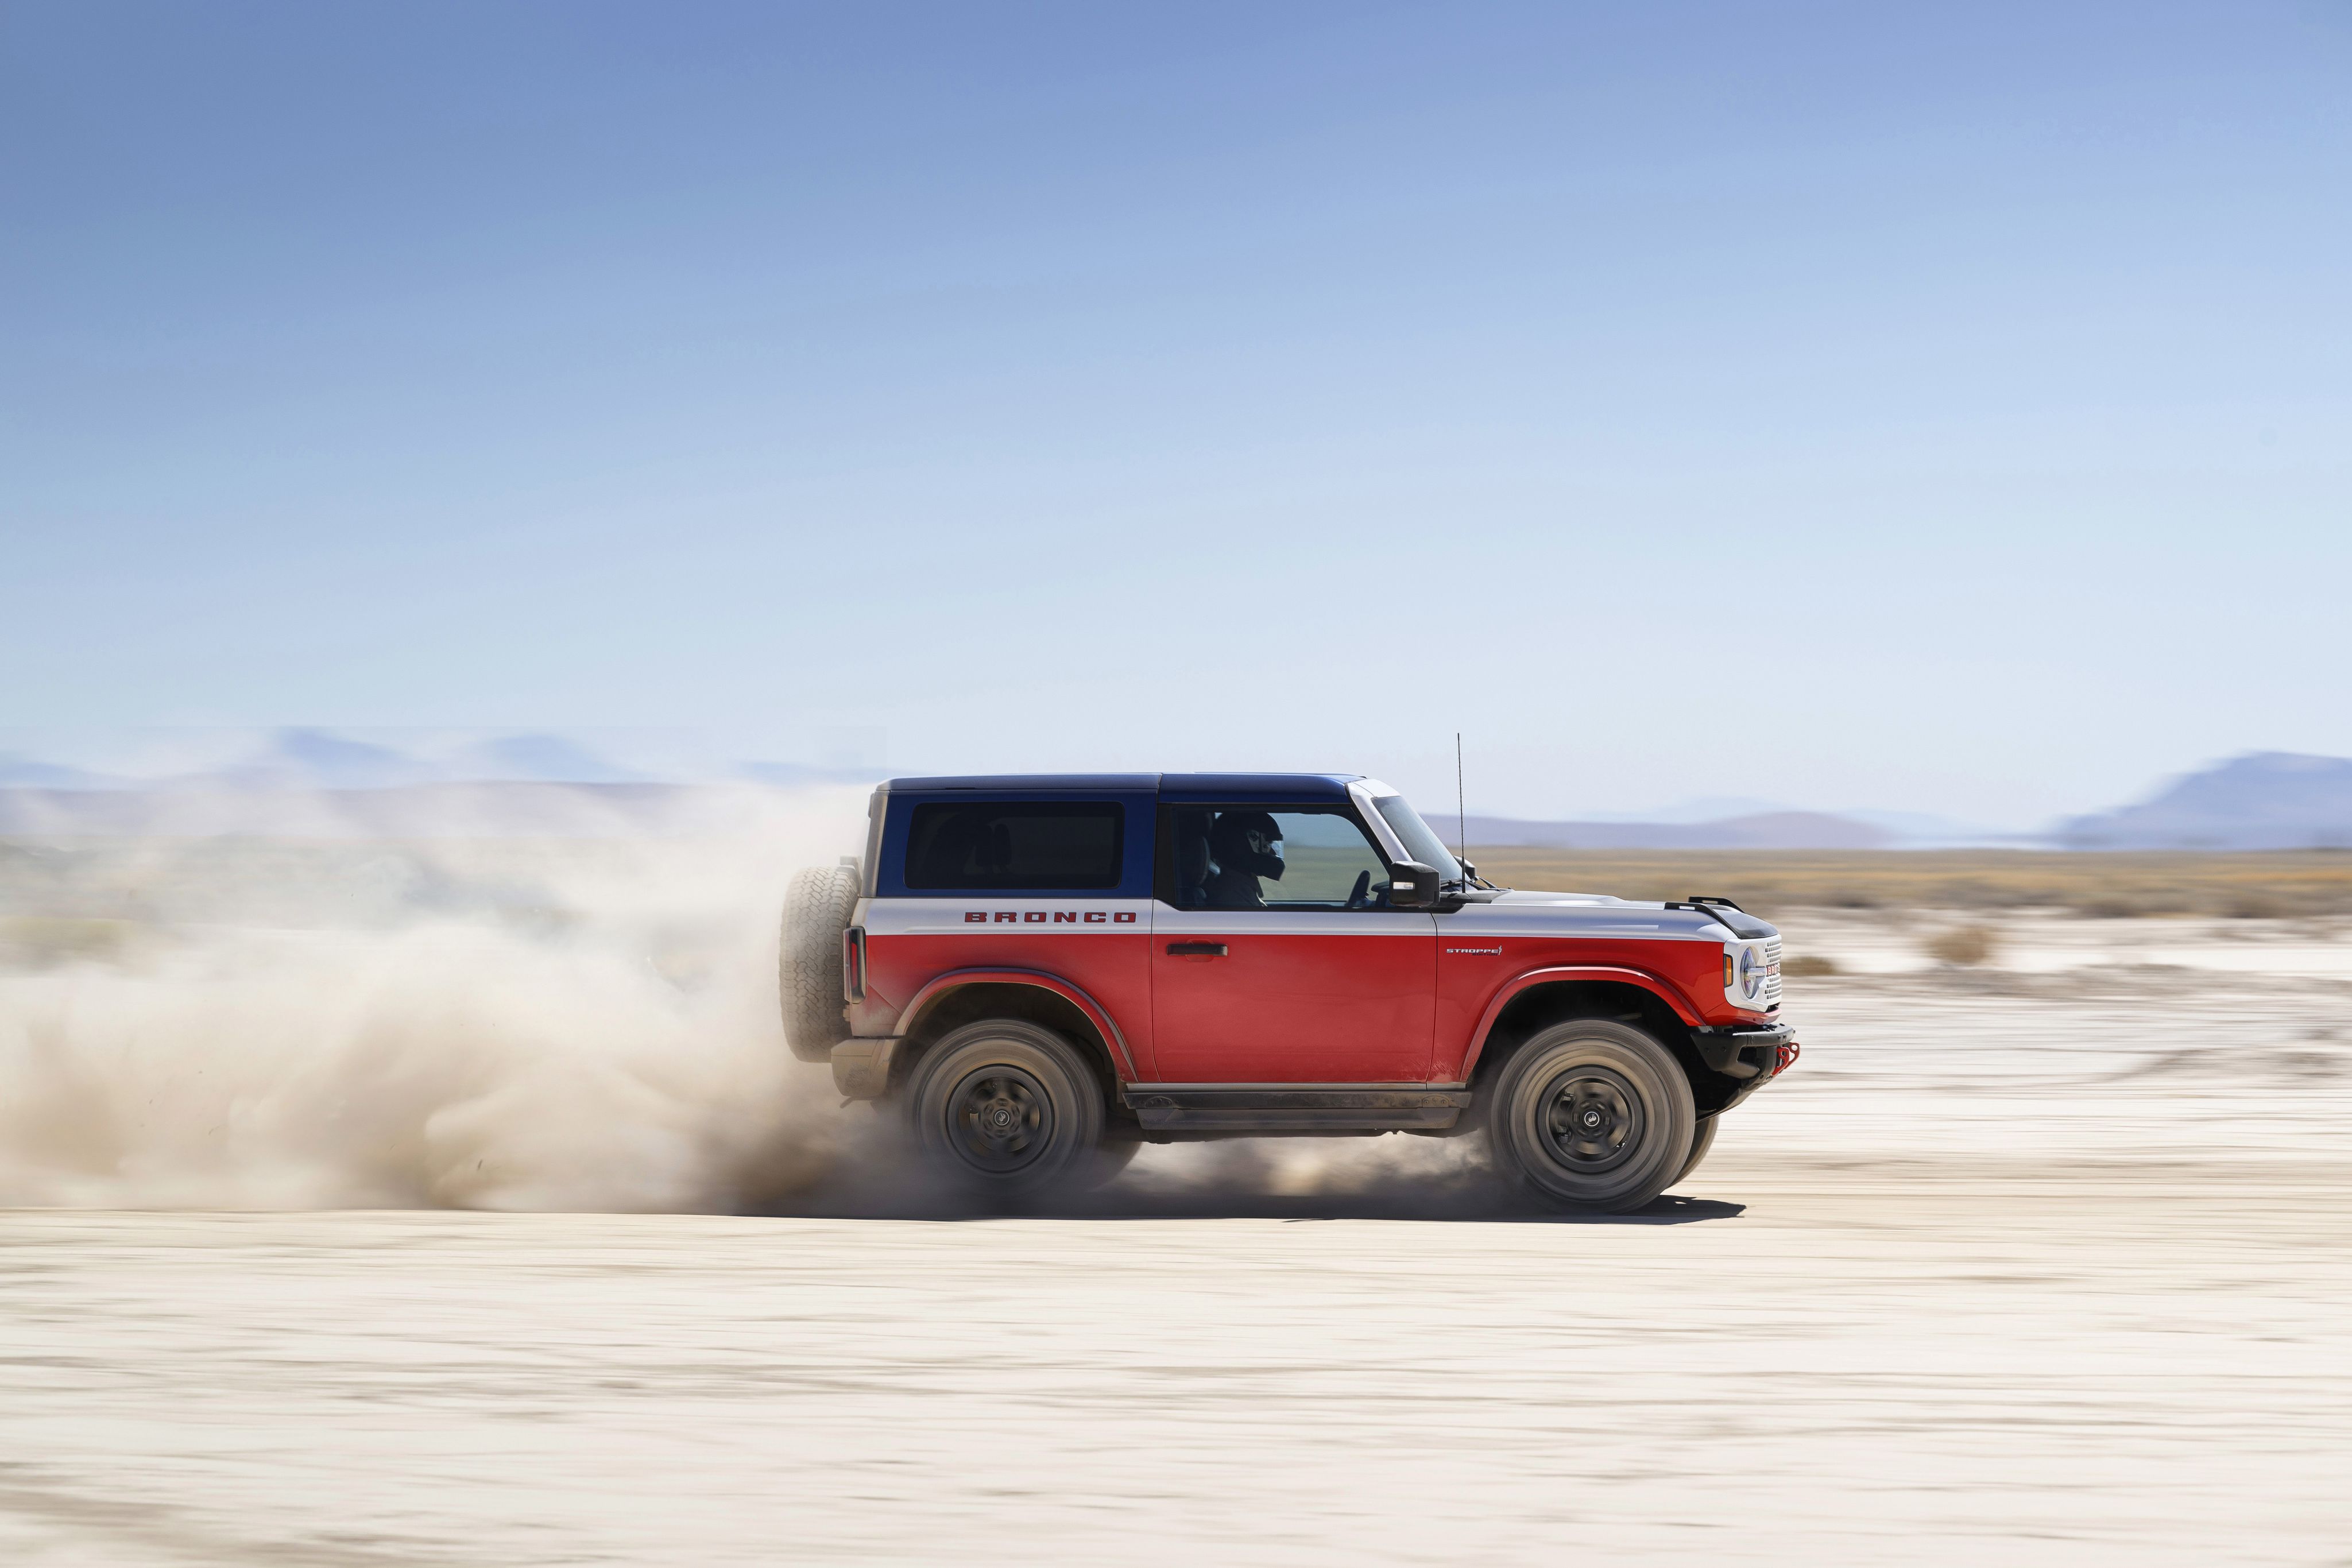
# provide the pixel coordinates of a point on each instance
(1048, 971)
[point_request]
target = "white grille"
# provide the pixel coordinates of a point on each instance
(1772, 972)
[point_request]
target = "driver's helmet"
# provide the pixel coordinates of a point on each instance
(1248, 841)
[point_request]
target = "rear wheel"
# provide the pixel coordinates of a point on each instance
(1113, 1155)
(1007, 1107)
(1594, 1116)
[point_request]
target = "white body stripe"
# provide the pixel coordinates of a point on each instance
(1168, 920)
(1075, 917)
(1638, 922)
(1078, 916)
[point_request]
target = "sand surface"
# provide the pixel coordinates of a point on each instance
(2046, 1265)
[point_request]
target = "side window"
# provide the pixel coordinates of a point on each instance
(1248, 857)
(1014, 845)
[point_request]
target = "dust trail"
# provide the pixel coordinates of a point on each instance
(477, 1020)
(1397, 1176)
(483, 1023)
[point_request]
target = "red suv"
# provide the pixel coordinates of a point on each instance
(1048, 971)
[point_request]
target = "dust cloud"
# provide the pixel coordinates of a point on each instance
(336, 1017)
(476, 1023)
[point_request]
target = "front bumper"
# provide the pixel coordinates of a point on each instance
(1749, 1055)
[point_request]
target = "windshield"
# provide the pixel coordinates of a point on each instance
(1419, 842)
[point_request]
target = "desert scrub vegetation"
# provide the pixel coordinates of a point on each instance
(2297, 884)
(1967, 946)
(35, 942)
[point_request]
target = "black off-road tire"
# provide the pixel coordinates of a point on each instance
(818, 902)
(1120, 1144)
(1007, 1108)
(1594, 1115)
(1701, 1142)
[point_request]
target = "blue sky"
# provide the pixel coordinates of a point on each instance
(1846, 405)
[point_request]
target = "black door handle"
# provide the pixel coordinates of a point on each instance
(1196, 949)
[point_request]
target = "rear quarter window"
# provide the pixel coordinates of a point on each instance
(1024, 845)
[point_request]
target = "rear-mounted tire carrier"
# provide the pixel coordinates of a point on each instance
(817, 906)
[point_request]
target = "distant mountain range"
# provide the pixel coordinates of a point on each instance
(2265, 801)
(310, 781)
(314, 783)
(322, 759)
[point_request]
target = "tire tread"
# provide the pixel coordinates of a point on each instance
(818, 902)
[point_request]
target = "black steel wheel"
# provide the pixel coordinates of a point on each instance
(1592, 1120)
(1006, 1106)
(1594, 1115)
(1001, 1118)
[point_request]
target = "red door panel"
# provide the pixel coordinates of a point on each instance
(1343, 997)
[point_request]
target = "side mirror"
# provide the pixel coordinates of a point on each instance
(1412, 885)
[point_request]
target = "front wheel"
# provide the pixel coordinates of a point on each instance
(1006, 1107)
(1594, 1116)
(1700, 1143)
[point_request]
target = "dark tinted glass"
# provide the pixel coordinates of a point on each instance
(1025, 844)
(1283, 857)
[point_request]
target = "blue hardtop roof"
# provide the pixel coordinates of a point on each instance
(1255, 786)
(1206, 787)
(1121, 783)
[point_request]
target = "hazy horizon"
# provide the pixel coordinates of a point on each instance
(313, 757)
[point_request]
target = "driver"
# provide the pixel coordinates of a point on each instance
(1246, 845)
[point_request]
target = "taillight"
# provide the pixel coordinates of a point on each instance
(853, 963)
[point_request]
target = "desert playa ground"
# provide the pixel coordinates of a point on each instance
(2040, 1261)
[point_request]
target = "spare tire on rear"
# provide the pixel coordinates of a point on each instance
(817, 905)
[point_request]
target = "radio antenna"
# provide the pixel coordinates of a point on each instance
(1461, 810)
